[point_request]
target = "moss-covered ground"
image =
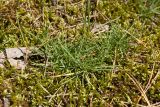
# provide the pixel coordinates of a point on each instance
(116, 68)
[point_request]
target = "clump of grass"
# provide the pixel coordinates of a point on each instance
(87, 54)
(75, 66)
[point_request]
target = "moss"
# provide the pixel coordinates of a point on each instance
(84, 70)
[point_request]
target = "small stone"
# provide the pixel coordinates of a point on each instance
(2, 59)
(99, 28)
(15, 57)
(16, 52)
(18, 64)
(2, 56)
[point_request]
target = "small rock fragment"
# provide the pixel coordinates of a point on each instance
(99, 28)
(16, 52)
(54, 2)
(1, 63)
(2, 59)
(18, 64)
(6, 102)
(15, 57)
(2, 56)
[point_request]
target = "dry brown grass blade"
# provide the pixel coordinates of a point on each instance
(139, 87)
(154, 79)
(150, 81)
(137, 40)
